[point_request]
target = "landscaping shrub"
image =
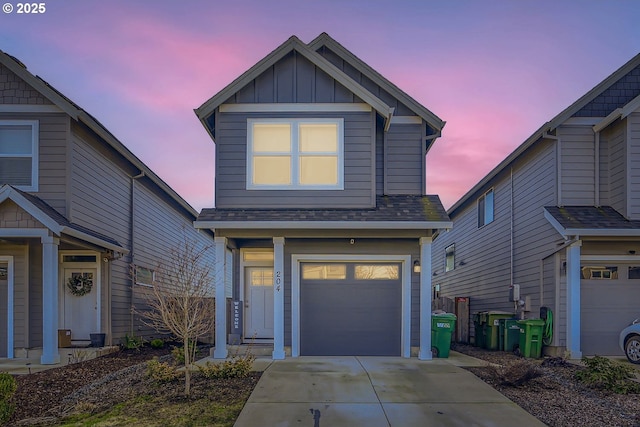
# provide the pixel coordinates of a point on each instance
(516, 374)
(178, 352)
(235, 367)
(161, 372)
(7, 389)
(604, 374)
(157, 343)
(131, 342)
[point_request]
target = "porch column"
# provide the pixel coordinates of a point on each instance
(220, 350)
(278, 298)
(573, 300)
(425, 299)
(50, 355)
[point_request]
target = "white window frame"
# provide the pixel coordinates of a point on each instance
(152, 273)
(452, 250)
(295, 154)
(35, 131)
(488, 213)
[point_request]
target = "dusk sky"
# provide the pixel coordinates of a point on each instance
(493, 70)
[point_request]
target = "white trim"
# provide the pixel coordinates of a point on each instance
(50, 299)
(242, 279)
(294, 153)
(220, 350)
(295, 108)
(573, 300)
(406, 120)
(24, 232)
(278, 299)
(10, 308)
(339, 225)
(296, 259)
(91, 239)
(631, 107)
(425, 299)
(603, 123)
(26, 108)
(608, 258)
(35, 138)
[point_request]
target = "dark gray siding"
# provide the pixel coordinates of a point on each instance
(20, 292)
(231, 167)
(404, 160)
(615, 137)
(619, 94)
(577, 165)
(633, 122)
(35, 294)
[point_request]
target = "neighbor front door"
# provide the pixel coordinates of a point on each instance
(81, 311)
(259, 303)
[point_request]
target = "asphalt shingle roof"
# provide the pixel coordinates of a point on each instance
(396, 208)
(591, 217)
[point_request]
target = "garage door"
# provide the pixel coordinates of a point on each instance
(350, 309)
(610, 296)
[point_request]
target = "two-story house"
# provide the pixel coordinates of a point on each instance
(560, 217)
(322, 226)
(78, 213)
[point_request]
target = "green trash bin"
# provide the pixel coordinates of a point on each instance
(531, 337)
(480, 323)
(493, 328)
(511, 335)
(442, 327)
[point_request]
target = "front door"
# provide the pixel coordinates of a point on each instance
(259, 303)
(81, 303)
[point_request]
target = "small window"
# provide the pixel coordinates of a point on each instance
(485, 209)
(261, 276)
(294, 154)
(450, 257)
(377, 272)
(19, 154)
(598, 272)
(144, 276)
(79, 258)
(634, 273)
(258, 256)
(324, 271)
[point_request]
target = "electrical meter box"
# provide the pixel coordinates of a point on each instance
(514, 293)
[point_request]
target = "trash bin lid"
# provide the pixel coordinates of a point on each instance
(533, 322)
(449, 316)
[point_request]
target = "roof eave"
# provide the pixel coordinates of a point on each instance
(335, 225)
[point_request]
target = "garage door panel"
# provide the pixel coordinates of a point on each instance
(350, 317)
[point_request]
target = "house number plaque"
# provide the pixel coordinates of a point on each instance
(278, 280)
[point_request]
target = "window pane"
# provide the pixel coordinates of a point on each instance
(634, 273)
(272, 170)
(271, 138)
(488, 207)
(377, 271)
(144, 275)
(261, 276)
(15, 170)
(318, 137)
(481, 211)
(599, 272)
(15, 140)
(258, 256)
(79, 258)
(318, 170)
(324, 271)
(450, 257)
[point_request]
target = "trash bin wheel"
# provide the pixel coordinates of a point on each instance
(434, 351)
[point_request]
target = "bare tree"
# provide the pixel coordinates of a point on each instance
(181, 300)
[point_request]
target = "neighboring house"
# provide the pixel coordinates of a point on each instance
(321, 221)
(75, 204)
(560, 217)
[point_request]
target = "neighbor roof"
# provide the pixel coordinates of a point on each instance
(77, 113)
(550, 126)
(590, 221)
(391, 212)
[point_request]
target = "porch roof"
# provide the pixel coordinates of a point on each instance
(391, 212)
(591, 221)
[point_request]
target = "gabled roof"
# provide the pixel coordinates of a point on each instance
(551, 126)
(54, 221)
(325, 40)
(391, 212)
(590, 221)
(309, 52)
(77, 113)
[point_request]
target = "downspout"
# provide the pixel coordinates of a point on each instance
(131, 245)
(511, 267)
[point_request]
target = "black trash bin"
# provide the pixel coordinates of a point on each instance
(97, 340)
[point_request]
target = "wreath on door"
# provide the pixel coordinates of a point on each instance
(80, 285)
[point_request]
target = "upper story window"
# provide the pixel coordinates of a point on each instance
(485, 208)
(19, 153)
(450, 257)
(295, 154)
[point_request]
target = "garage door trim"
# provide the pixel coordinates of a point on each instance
(405, 260)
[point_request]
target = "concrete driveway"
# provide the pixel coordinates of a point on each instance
(377, 392)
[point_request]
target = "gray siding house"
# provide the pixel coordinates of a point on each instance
(76, 206)
(322, 226)
(560, 217)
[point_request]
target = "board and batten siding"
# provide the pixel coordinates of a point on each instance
(577, 164)
(404, 159)
(483, 254)
(20, 254)
(231, 166)
(633, 122)
(616, 142)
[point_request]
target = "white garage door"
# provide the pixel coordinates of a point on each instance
(610, 300)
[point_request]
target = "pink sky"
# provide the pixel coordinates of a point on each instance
(493, 70)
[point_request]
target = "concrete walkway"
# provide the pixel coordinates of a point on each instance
(376, 392)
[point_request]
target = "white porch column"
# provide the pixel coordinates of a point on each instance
(573, 300)
(425, 299)
(278, 298)
(220, 351)
(50, 355)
